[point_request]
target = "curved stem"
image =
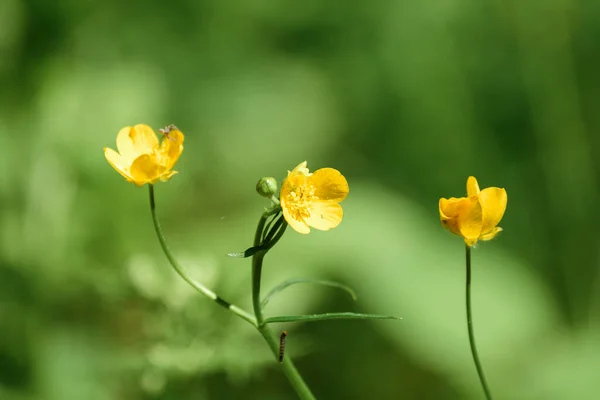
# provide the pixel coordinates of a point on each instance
(486, 389)
(287, 365)
(196, 285)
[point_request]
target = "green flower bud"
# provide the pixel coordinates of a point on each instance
(267, 187)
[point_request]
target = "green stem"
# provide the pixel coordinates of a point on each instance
(287, 365)
(196, 285)
(486, 389)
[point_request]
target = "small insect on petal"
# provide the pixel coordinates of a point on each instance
(167, 130)
(282, 345)
(142, 158)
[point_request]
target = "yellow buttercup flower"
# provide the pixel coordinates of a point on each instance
(476, 216)
(311, 200)
(141, 158)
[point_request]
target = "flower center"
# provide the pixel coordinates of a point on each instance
(299, 201)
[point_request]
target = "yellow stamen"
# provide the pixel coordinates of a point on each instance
(299, 201)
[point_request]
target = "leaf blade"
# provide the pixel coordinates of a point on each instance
(326, 316)
(287, 283)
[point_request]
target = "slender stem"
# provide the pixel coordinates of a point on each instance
(287, 365)
(486, 389)
(196, 285)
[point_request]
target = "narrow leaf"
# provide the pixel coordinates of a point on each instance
(321, 317)
(285, 284)
(248, 253)
(271, 238)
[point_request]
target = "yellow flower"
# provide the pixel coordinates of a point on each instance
(311, 200)
(474, 217)
(141, 159)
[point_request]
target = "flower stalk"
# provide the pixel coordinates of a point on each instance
(478, 366)
(287, 365)
(181, 272)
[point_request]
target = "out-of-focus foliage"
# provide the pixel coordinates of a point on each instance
(405, 98)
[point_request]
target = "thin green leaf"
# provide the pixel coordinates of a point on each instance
(285, 284)
(268, 226)
(321, 317)
(248, 253)
(270, 239)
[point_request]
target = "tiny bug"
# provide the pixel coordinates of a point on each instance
(282, 345)
(167, 129)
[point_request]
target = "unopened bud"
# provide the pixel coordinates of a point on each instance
(267, 187)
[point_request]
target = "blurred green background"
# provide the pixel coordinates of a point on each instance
(406, 98)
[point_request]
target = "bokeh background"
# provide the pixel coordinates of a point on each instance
(406, 98)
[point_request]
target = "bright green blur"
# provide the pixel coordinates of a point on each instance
(405, 98)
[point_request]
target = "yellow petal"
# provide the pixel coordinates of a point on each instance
(450, 210)
(298, 226)
(475, 217)
(145, 170)
(493, 203)
(170, 149)
(167, 175)
(300, 169)
(329, 184)
(470, 242)
(470, 220)
(325, 215)
(117, 162)
(144, 139)
(125, 145)
(472, 186)
(442, 205)
(132, 142)
(492, 234)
